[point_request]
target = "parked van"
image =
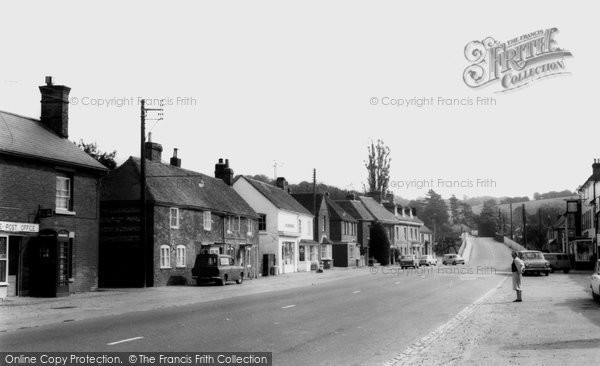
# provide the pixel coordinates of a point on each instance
(558, 262)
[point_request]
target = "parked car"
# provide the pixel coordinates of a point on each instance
(558, 262)
(216, 267)
(534, 262)
(427, 260)
(452, 259)
(409, 261)
(595, 282)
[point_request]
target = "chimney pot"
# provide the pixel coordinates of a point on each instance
(49, 80)
(224, 172)
(175, 161)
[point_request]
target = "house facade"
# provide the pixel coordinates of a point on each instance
(283, 224)
(187, 213)
(49, 212)
(386, 218)
(408, 232)
(309, 255)
(365, 220)
(344, 233)
(589, 193)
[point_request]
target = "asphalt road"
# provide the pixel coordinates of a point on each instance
(362, 320)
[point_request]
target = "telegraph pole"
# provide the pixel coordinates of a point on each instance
(143, 203)
(143, 207)
(511, 222)
(524, 226)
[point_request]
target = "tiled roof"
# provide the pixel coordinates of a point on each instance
(27, 137)
(171, 185)
(306, 200)
(280, 198)
(337, 213)
(380, 213)
(356, 209)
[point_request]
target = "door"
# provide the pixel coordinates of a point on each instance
(43, 269)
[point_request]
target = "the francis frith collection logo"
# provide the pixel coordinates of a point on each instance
(514, 63)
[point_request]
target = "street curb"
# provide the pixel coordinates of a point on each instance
(410, 354)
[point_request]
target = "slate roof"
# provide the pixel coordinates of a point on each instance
(356, 209)
(306, 200)
(175, 186)
(27, 137)
(337, 213)
(379, 212)
(280, 198)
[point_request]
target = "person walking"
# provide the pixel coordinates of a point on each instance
(517, 273)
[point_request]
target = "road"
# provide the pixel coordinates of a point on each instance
(362, 320)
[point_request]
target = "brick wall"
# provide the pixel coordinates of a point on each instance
(29, 185)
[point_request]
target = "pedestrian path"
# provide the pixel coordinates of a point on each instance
(557, 323)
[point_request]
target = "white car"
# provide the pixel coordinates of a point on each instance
(595, 282)
(453, 259)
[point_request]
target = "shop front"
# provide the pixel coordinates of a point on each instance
(308, 255)
(34, 262)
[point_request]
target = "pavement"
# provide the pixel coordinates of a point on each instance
(29, 312)
(558, 323)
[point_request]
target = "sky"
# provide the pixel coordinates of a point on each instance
(305, 85)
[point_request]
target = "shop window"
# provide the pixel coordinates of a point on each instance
(180, 256)
(287, 253)
(165, 256)
(64, 193)
(325, 251)
(314, 253)
(302, 253)
(174, 217)
(3, 258)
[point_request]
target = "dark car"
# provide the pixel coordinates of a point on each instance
(534, 262)
(558, 262)
(216, 267)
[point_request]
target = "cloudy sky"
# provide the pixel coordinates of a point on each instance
(294, 83)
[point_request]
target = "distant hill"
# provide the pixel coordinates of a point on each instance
(531, 207)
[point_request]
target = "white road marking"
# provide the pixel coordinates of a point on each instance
(287, 307)
(124, 340)
(408, 356)
(357, 291)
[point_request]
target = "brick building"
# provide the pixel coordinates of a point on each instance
(365, 220)
(48, 203)
(187, 213)
(308, 249)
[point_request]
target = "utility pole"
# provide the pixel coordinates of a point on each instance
(524, 226)
(143, 203)
(316, 223)
(511, 221)
(143, 207)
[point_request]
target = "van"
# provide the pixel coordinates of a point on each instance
(453, 259)
(558, 261)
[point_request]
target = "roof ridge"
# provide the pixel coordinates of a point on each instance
(20, 115)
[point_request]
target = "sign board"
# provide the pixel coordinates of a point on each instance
(19, 227)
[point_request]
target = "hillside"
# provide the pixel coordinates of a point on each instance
(531, 206)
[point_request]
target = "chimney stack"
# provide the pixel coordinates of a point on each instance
(55, 107)
(596, 167)
(175, 161)
(153, 150)
(224, 172)
(282, 183)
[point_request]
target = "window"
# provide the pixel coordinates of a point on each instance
(180, 256)
(224, 261)
(299, 226)
(239, 224)
(314, 254)
(3, 258)
(64, 193)
(262, 222)
(174, 215)
(229, 224)
(302, 253)
(324, 223)
(165, 256)
(325, 251)
(287, 252)
(250, 224)
(207, 220)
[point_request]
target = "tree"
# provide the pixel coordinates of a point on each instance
(435, 213)
(378, 167)
(466, 215)
(380, 244)
(488, 219)
(104, 158)
(454, 210)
